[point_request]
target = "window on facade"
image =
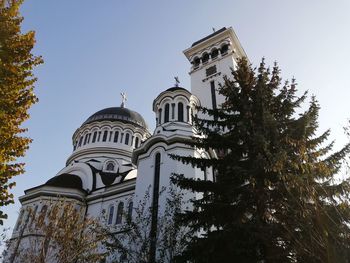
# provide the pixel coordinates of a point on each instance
(110, 136)
(94, 136)
(130, 207)
(75, 145)
(166, 113)
(210, 71)
(136, 142)
(99, 136)
(214, 53)
(180, 111)
(105, 134)
(110, 215)
(127, 136)
(205, 58)
(110, 167)
(116, 134)
(155, 199)
(224, 49)
(196, 62)
(119, 213)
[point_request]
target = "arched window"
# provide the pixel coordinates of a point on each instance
(130, 207)
(105, 134)
(155, 202)
(110, 214)
(116, 134)
(119, 213)
(180, 111)
(110, 167)
(205, 58)
(214, 53)
(224, 49)
(80, 141)
(127, 138)
(166, 113)
(196, 62)
(94, 136)
(172, 111)
(136, 142)
(85, 139)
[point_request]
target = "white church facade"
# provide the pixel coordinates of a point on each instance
(116, 159)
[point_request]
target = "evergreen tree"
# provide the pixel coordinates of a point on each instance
(274, 197)
(16, 94)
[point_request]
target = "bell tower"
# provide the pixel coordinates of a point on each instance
(211, 58)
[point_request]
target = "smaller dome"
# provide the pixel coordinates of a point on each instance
(66, 181)
(118, 113)
(176, 88)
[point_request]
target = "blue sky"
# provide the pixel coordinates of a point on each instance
(93, 50)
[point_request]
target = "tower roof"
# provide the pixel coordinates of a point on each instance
(207, 37)
(217, 37)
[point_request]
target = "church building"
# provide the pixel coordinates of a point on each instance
(116, 159)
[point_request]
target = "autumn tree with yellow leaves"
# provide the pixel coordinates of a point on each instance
(16, 94)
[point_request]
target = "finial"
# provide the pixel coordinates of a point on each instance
(213, 29)
(124, 99)
(177, 81)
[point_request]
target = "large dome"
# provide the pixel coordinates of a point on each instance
(118, 113)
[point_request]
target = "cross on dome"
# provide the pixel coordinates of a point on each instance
(124, 99)
(177, 81)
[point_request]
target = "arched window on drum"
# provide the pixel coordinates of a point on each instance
(180, 111)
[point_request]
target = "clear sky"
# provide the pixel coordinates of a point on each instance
(93, 50)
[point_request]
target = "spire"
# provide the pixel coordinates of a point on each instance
(124, 99)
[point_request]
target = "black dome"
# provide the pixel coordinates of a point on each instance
(118, 113)
(176, 88)
(66, 181)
